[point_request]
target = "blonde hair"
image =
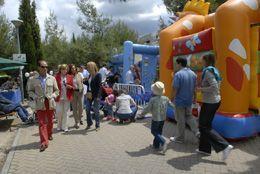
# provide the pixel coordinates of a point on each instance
(62, 66)
(92, 65)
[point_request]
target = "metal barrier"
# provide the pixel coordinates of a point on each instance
(137, 92)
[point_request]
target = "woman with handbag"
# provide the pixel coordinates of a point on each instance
(77, 102)
(93, 94)
(210, 88)
(65, 85)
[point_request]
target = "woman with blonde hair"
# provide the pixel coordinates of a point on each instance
(93, 94)
(65, 85)
(77, 102)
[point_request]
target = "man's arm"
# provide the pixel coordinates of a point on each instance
(31, 89)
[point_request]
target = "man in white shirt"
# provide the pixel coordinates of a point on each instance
(129, 77)
(104, 72)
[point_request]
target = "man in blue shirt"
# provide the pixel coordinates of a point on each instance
(184, 85)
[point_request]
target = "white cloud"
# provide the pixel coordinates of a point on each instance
(140, 15)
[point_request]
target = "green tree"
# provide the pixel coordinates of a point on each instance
(177, 6)
(2, 2)
(36, 33)
(52, 28)
(7, 41)
(26, 34)
(104, 36)
(55, 47)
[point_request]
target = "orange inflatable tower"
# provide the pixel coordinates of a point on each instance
(234, 35)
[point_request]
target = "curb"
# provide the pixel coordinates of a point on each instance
(10, 155)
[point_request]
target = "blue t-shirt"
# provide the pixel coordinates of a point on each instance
(184, 83)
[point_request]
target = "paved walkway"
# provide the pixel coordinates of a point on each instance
(123, 149)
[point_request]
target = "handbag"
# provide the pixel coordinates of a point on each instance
(89, 95)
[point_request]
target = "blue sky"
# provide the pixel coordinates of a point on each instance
(141, 15)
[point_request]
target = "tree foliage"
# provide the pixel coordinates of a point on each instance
(105, 36)
(30, 33)
(7, 41)
(177, 6)
(36, 33)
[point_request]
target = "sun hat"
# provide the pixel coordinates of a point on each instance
(158, 88)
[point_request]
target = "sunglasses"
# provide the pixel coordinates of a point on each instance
(44, 66)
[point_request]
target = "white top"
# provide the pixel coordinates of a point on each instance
(75, 84)
(63, 88)
(85, 73)
(129, 77)
(123, 103)
(104, 72)
(89, 81)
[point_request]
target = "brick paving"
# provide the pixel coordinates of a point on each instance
(124, 149)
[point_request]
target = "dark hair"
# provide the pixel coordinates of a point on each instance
(182, 61)
(115, 92)
(70, 66)
(209, 59)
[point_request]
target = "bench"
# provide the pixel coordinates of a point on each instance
(2, 115)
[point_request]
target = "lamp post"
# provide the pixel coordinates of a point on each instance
(17, 23)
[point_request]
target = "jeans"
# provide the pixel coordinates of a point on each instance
(156, 130)
(208, 136)
(127, 116)
(108, 110)
(95, 103)
(22, 113)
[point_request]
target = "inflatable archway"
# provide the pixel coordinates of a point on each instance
(232, 33)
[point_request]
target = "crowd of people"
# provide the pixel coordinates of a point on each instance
(55, 94)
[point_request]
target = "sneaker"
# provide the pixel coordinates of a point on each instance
(66, 130)
(98, 128)
(202, 152)
(226, 152)
(197, 135)
(174, 139)
(58, 129)
(164, 148)
(76, 125)
(88, 127)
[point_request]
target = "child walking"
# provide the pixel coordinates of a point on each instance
(158, 106)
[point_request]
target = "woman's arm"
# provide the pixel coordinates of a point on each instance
(213, 84)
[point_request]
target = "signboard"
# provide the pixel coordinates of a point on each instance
(19, 57)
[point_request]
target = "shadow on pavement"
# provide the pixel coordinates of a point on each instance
(143, 152)
(30, 146)
(186, 162)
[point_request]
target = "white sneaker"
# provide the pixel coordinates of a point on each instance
(66, 130)
(164, 148)
(226, 152)
(201, 152)
(58, 129)
(174, 139)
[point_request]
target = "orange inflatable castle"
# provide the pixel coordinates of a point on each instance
(232, 34)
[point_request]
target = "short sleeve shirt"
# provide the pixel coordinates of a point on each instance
(184, 82)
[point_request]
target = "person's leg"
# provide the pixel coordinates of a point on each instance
(204, 125)
(88, 112)
(160, 130)
(74, 107)
(43, 127)
(190, 120)
(80, 105)
(66, 107)
(21, 114)
(218, 143)
(180, 118)
(50, 122)
(59, 114)
(134, 111)
(154, 131)
(96, 111)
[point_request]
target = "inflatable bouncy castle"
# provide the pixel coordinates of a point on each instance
(232, 34)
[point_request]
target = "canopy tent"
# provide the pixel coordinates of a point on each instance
(10, 63)
(10, 68)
